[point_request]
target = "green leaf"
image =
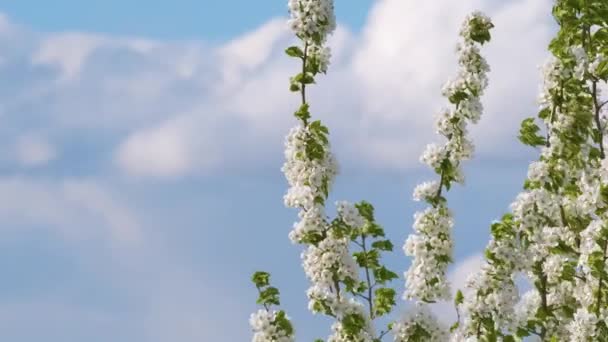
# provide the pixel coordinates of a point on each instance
(366, 210)
(368, 259)
(383, 275)
(528, 134)
(384, 301)
(269, 296)
(303, 112)
(373, 229)
(459, 298)
(353, 323)
(304, 78)
(261, 279)
(294, 51)
(283, 323)
(383, 245)
(294, 87)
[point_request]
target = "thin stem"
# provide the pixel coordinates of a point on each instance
(543, 297)
(264, 304)
(441, 180)
(362, 296)
(382, 334)
(601, 281)
(369, 298)
(458, 314)
(337, 287)
(304, 60)
(598, 108)
(563, 215)
(479, 329)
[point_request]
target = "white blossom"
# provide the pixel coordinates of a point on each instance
(583, 326)
(431, 244)
(264, 328)
(310, 18)
(419, 324)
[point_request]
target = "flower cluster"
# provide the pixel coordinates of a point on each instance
(310, 174)
(419, 325)
(555, 236)
(312, 20)
(557, 233)
(310, 169)
(351, 310)
(329, 261)
(493, 295)
(586, 64)
(583, 326)
(432, 249)
(431, 245)
(267, 327)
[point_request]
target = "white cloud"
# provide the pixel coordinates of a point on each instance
(68, 51)
(158, 151)
(174, 108)
(77, 209)
(33, 150)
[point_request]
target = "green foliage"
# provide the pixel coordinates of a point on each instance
(283, 322)
(294, 51)
(268, 295)
(303, 113)
(384, 275)
(353, 323)
(384, 301)
(459, 298)
(480, 30)
(383, 245)
(261, 279)
(528, 134)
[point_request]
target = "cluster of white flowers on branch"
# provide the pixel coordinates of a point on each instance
(267, 324)
(431, 244)
(556, 235)
(334, 271)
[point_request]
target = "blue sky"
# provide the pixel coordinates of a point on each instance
(142, 145)
(180, 19)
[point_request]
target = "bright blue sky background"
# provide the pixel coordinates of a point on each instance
(142, 142)
(179, 19)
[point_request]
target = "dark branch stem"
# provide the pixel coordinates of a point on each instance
(362, 296)
(304, 60)
(369, 298)
(441, 180)
(598, 123)
(543, 297)
(563, 215)
(601, 281)
(264, 304)
(458, 315)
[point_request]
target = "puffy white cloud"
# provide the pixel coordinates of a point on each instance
(32, 150)
(159, 151)
(68, 51)
(78, 209)
(173, 108)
